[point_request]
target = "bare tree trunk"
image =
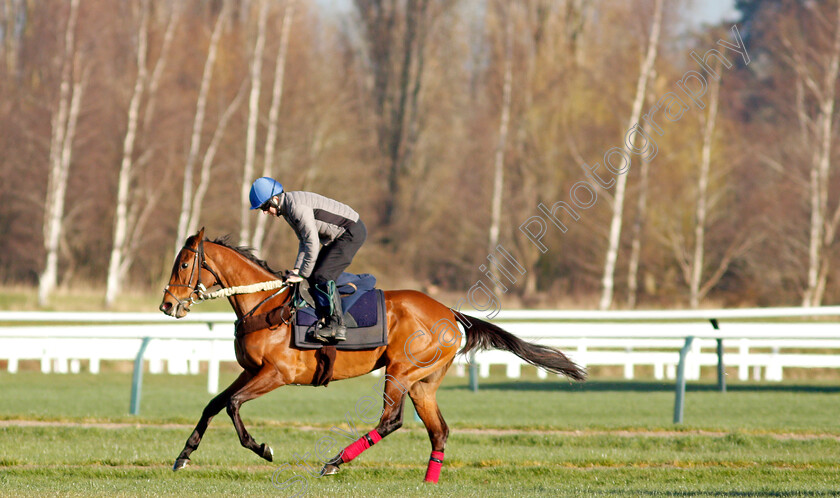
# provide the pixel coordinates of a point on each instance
(157, 73)
(499, 161)
(693, 262)
(823, 231)
(696, 280)
(198, 124)
(638, 226)
(274, 114)
(815, 239)
(116, 269)
(207, 163)
(397, 82)
(827, 114)
(61, 146)
(397, 142)
(608, 280)
(253, 116)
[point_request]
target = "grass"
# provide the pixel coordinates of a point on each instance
(128, 460)
(528, 403)
(513, 438)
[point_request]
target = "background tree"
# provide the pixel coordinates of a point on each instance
(130, 217)
(198, 125)
(394, 107)
(65, 117)
(608, 280)
(274, 113)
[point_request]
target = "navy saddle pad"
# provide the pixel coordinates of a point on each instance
(364, 315)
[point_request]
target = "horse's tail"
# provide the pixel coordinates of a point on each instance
(485, 335)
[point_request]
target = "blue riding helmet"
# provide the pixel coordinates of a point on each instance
(263, 190)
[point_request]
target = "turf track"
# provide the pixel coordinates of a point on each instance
(69, 435)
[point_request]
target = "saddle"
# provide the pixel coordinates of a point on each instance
(364, 315)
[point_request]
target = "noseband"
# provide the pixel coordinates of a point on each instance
(199, 262)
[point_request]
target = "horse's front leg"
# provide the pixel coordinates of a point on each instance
(264, 382)
(213, 407)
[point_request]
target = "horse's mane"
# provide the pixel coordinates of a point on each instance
(245, 251)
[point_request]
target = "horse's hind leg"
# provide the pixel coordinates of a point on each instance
(423, 395)
(213, 407)
(391, 420)
(264, 382)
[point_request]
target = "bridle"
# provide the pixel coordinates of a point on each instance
(199, 290)
(199, 262)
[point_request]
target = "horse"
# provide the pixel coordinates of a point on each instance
(422, 341)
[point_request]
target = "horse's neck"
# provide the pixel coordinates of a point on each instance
(235, 270)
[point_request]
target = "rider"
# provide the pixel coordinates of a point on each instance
(316, 220)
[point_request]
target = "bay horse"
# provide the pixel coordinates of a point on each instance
(422, 343)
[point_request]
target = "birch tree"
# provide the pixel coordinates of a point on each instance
(64, 121)
(274, 114)
(116, 268)
(130, 217)
(253, 117)
(694, 261)
(608, 280)
(157, 73)
(504, 122)
(696, 274)
(818, 134)
(207, 163)
(638, 226)
(198, 125)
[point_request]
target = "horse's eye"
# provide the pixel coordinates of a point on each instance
(184, 266)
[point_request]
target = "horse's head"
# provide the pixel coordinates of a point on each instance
(190, 276)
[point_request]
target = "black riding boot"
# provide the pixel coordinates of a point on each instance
(336, 320)
(329, 308)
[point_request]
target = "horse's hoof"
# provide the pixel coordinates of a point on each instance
(267, 452)
(330, 469)
(180, 464)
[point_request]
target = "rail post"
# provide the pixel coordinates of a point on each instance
(473, 372)
(721, 368)
(137, 378)
(679, 401)
(213, 365)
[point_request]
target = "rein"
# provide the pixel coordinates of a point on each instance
(243, 289)
(250, 289)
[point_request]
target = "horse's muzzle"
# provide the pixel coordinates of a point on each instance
(175, 309)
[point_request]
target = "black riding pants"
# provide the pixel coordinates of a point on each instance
(334, 258)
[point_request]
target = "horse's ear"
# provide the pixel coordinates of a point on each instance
(200, 234)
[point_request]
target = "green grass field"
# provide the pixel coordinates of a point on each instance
(71, 435)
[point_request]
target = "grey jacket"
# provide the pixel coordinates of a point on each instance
(316, 220)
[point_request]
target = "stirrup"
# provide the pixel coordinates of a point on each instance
(322, 333)
(340, 334)
(334, 332)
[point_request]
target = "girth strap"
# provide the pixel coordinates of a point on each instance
(324, 369)
(271, 320)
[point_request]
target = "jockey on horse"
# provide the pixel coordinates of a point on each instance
(316, 220)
